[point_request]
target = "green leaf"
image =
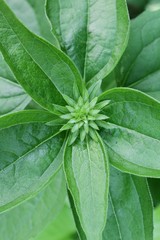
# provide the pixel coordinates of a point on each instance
(5, 71)
(60, 109)
(139, 67)
(86, 169)
(95, 89)
(12, 97)
(157, 223)
(153, 5)
(93, 33)
(109, 82)
(80, 231)
(57, 122)
(130, 214)
(60, 229)
(30, 155)
(31, 217)
(132, 136)
(102, 104)
(69, 101)
(72, 138)
(34, 17)
(26, 116)
(38, 66)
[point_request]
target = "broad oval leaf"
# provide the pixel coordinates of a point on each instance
(34, 17)
(86, 170)
(30, 155)
(132, 135)
(93, 33)
(139, 67)
(130, 214)
(28, 219)
(12, 97)
(43, 70)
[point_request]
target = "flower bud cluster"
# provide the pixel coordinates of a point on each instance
(83, 117)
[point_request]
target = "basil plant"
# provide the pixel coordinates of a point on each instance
(78, 122)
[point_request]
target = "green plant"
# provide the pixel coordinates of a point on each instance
(80, 125)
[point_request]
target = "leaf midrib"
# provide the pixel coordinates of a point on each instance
(30, 55)
(90, 167)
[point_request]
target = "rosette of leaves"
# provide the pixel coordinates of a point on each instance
(79, 128)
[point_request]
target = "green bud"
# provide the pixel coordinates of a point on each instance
(70, 109)
(66, 116)
(75, 127)
(82, 134)
(93, 103)
(93, 125)
(66, 127)
(69, 100)
(93, 134)
(101, 117)
(60, 109)
(102, 104)
(72, 138)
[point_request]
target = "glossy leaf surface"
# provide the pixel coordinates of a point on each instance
(34, 17)
(139, 67)
(86, 169)
(26, 116)
(47, 70)
(31, 217)
(93, 33)
(5, 71)
(130, 213)
(12, 97)
(132, 136)
(30, 155)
